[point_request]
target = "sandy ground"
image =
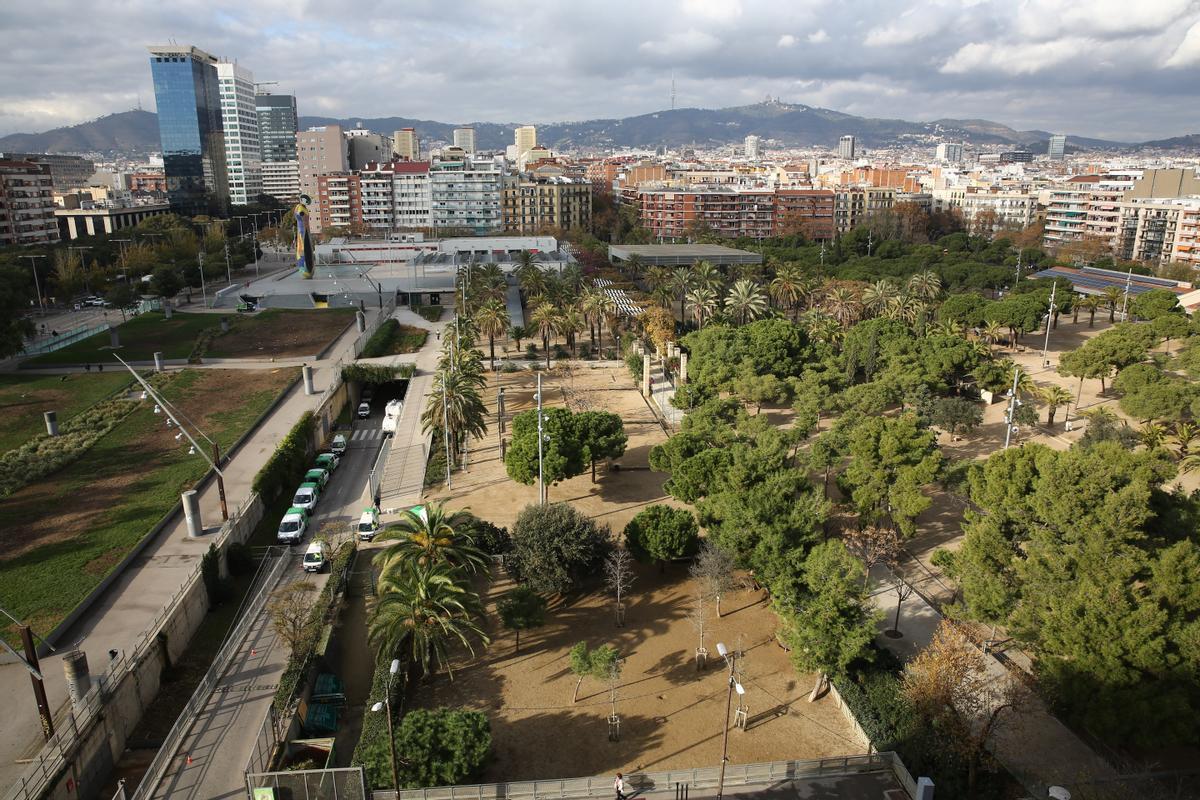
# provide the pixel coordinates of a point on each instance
(283, 334)
(671, 714)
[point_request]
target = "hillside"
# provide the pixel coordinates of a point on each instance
(135, 133)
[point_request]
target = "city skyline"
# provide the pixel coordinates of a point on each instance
(1073, 67)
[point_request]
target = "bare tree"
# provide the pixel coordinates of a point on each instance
(614, 680)
(949, 685)
(619, 576)
(698, 619)
(873, 545)
(713, 569)
(289, 609)
(904, 590)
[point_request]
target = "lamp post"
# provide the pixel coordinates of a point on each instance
(1049, 318)
(86, 281)
(541, 480)
(36, 283)
(386, 705)
(446, 429)
(1013, 402)
(731, 660)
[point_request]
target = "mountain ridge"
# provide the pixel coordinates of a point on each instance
(135, 132)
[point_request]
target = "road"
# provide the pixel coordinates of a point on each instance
(118, 620)
(223, 737)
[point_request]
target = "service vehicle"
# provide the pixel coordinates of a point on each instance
(327, 461)
(364, 410)
(306, 496)
(316, 557)
(391, 415)
(292, 527)
(317, 475)
(339, 445)
(368, 524)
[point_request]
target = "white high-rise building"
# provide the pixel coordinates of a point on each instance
(950, 152)
(525, 138)
(465, 138)
(239, 118)
(847, 146)
(751, 145)
(1057, 149)
(281, 180)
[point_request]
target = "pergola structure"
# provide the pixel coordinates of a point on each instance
(677, 255)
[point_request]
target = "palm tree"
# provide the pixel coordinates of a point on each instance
(1111, 295)
(681, 282)
(464, 412)
(431, 534)
(925, 285)
(633, 267)
(821, 327)
(1183, 433)
(1091, 302)
(704, 302)
(745, 301)
(545, 321)
(657, 277)
(877, 296)
(1152, 435)
(841, 303)
(948, 328)
(1054, 396)
(517, 333)
(492, 320)
(602, 306)
(533, 282)
(707, 276)
(1190, 464)
(992, 332)
(663, 296)
(787, 286)
(570, 322)
(420, 611)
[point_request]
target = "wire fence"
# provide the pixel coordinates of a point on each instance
(270, 572)
(343, 783)
(646, 782)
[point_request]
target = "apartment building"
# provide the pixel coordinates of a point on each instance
(1008, 210)
(532, 203)
(412, 195)
(67, 172)
(1160, 231)
(281, 180)
(26, 204)
(525, 139)
(806, 211)
(320, 151)
(853, 204)
(465, 193)
(732, 211)
(464, 139)
(364, 147)
(239, 119)
(339, 201)
(406, 144)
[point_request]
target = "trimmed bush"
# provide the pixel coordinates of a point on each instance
(662, 533)
(555, 548)
(377, 373)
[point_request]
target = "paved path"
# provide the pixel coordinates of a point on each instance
(404, 474)
(131, 604)
(1034, 745)
(223, 737)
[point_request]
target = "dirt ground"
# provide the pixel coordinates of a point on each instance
(281, 333)
(671, 715)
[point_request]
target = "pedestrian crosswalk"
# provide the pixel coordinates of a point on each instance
(367, 435)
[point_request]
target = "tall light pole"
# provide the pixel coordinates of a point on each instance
(541, 480)
(87, 283)
(386, 705)
(446, 428)
(1049, 317)
(203, 286)
(1125, 301)
(37, 284)
(731, 660)
(1013, 402)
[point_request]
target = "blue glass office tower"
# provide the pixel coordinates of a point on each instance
(188, 97)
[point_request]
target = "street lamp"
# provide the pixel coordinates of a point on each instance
(1013, 402)
(386, 705)
(1049, 318)
(36, 283)
(730, 659)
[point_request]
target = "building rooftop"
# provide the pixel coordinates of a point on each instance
(1093, 280)
(679, 254)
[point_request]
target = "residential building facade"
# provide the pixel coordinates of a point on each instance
(239, 119)
(339, 201)
(66, 172)
(533, 204)
(1056, 149)
(847, 147)
(188, 98)
(465, 194)
(320, 151)
(751, 147)
(406, 144)
(525, 139)
(26, 204)
(281, 180)
(464, 138)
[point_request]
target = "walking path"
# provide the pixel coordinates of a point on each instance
(119, 618)
(404, 473)
(1033, 744)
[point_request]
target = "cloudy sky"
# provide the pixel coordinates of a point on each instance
(1121, 69)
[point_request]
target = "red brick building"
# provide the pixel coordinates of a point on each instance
(737, 212)
(340, 201)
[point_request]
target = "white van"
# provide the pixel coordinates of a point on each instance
(391, 415)
(291, 527)
(316, 557)
(338, 446)
(368, 524)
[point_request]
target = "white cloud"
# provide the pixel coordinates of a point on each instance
(1014, 59)
(1187, 54)
(678, 44)
(787, 40)
(1051, 19)
(820, 37)
(908, 28)
(715, 10)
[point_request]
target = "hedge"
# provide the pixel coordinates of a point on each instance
(377, 373)
(289, 681)
(288, 463)
(378, 344)
(374, 736)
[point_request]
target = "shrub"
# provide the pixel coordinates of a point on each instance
(443, 747)
(662, 533)
(380, 342)
(554, 547)
(377, 373)
(372, 752)
(490, 538)
(288, 463)
(240, 558)
(634, 362)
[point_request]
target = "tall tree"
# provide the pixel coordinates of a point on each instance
(745, 301)
(891, 459)
(493, 320)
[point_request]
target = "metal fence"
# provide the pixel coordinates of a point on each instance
(344, 783)
(645, 782)
(264, 744)
(199, 699)
(53, 343)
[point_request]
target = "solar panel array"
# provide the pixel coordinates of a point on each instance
(1093, 284)
(1164, 282)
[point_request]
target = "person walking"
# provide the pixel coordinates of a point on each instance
(619, 786)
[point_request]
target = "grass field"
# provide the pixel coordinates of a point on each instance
(61, 536)
(23, 398)
(392, 338)
(274, 332)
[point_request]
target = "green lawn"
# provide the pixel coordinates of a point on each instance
(106, 501)
(392, 338)
(141, 338)
(23, 398)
